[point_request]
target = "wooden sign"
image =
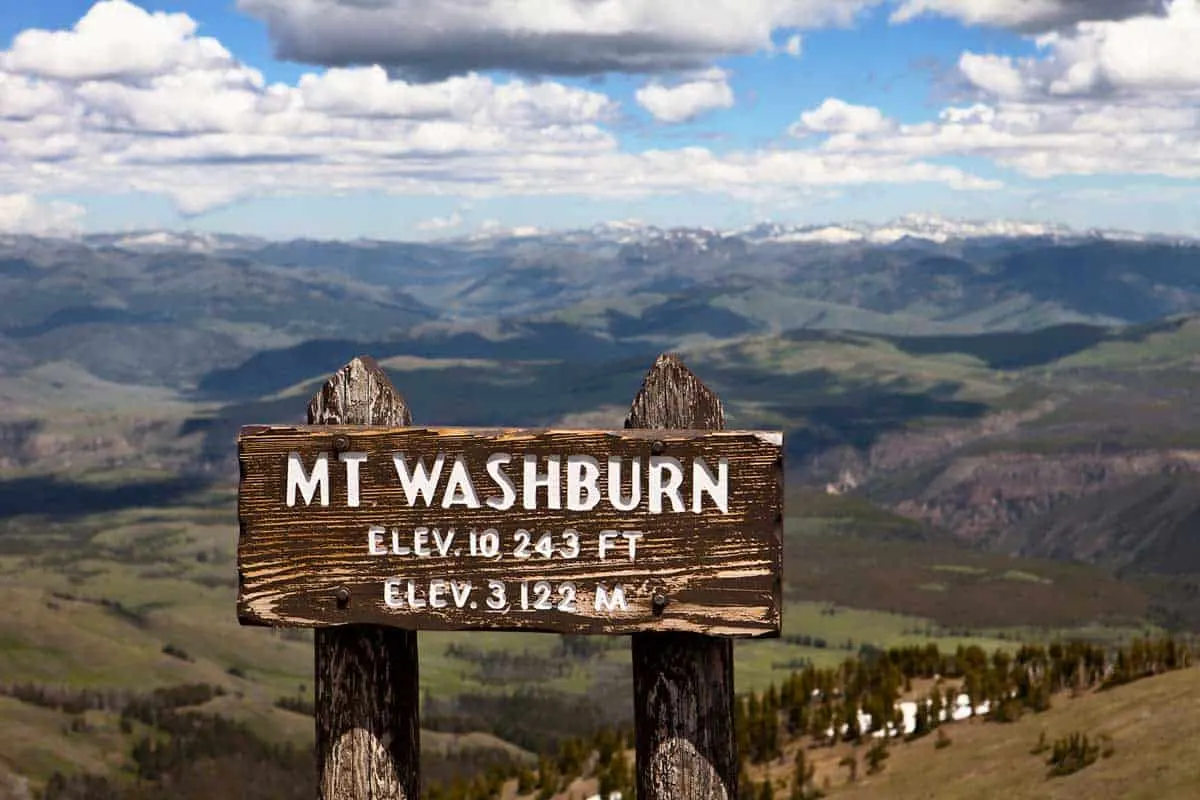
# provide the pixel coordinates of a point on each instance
(565, 531)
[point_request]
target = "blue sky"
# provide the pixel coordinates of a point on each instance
(412, 119)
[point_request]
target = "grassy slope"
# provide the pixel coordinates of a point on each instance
(147, 560)
(1154, 724)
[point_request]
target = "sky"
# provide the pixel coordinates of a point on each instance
(417, 119)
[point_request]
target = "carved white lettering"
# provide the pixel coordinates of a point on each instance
(352, 462)
(375, 544)
(631, 538)
(532, 480)
(459, 489)
(582, 492)
(657, 489)
(421, 481)
(605, 543)
(460, 592)
(308, 484)
(662, 476)
(495, 470)
(614, 484)
(606, 602)
(716, 488)
(391, 593)
(437, 593)
(397, 548)
(534, 596)
(442, 542)
(421, 542)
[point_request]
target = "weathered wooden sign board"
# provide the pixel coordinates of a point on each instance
(563, 531)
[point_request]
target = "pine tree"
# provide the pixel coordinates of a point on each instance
(745, 785)
(935, 708)
(876, 755)
(802, 776)
(850, 762)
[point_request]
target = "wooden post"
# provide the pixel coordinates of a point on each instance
(682, 682)
(368, 728)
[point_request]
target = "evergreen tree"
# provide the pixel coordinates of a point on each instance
(876, 755)
(850, 762)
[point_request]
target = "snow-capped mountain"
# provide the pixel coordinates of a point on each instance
(926, 227)
(930, 228)
(162, 240)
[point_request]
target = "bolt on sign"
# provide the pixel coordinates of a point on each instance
(564, 531)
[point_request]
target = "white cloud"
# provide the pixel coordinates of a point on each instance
(1104, 98)
(1145, 54)
(565, 37)
(1141, 56)
(188, 120)
(1025, 14)
(23, 213)
(992, 73)
(368, 92)
(838, 116)
(686, 101)
(209, 131)
(115, 39)
(448, 222)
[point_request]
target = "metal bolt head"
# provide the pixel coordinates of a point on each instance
(341, 443)
(343, 596)
(657, 448)
(659, 600)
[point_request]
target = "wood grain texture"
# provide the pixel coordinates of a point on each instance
(367, 723)
(682, 682)
(718, 570)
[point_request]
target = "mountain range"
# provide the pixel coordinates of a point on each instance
(989, 427)
(886, 352)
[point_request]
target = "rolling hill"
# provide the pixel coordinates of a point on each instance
(991, 439)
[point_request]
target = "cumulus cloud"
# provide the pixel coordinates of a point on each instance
(1026, 15)
(115, 39)
(188, 120)
(686, 101)
(1115, 98)
(436, 38)
(1137, 57)
(838, 116)
(445, 223)
(23, 213)
(432, 39)
(1148, 54)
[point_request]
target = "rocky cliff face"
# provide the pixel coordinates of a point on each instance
(95, 442)
(991, 498)
(994, 483)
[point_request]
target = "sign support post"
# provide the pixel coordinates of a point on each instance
(368, 529)
(367, 697)
(682, 682)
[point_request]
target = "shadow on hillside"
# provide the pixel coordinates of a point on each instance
(535, 395)
(61, 499)
(86, 315)
(274, 370)
(679, 317)
(859, 414)
(504, 395)
(1009, 349)
(1002, 349)
(1118, 280)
